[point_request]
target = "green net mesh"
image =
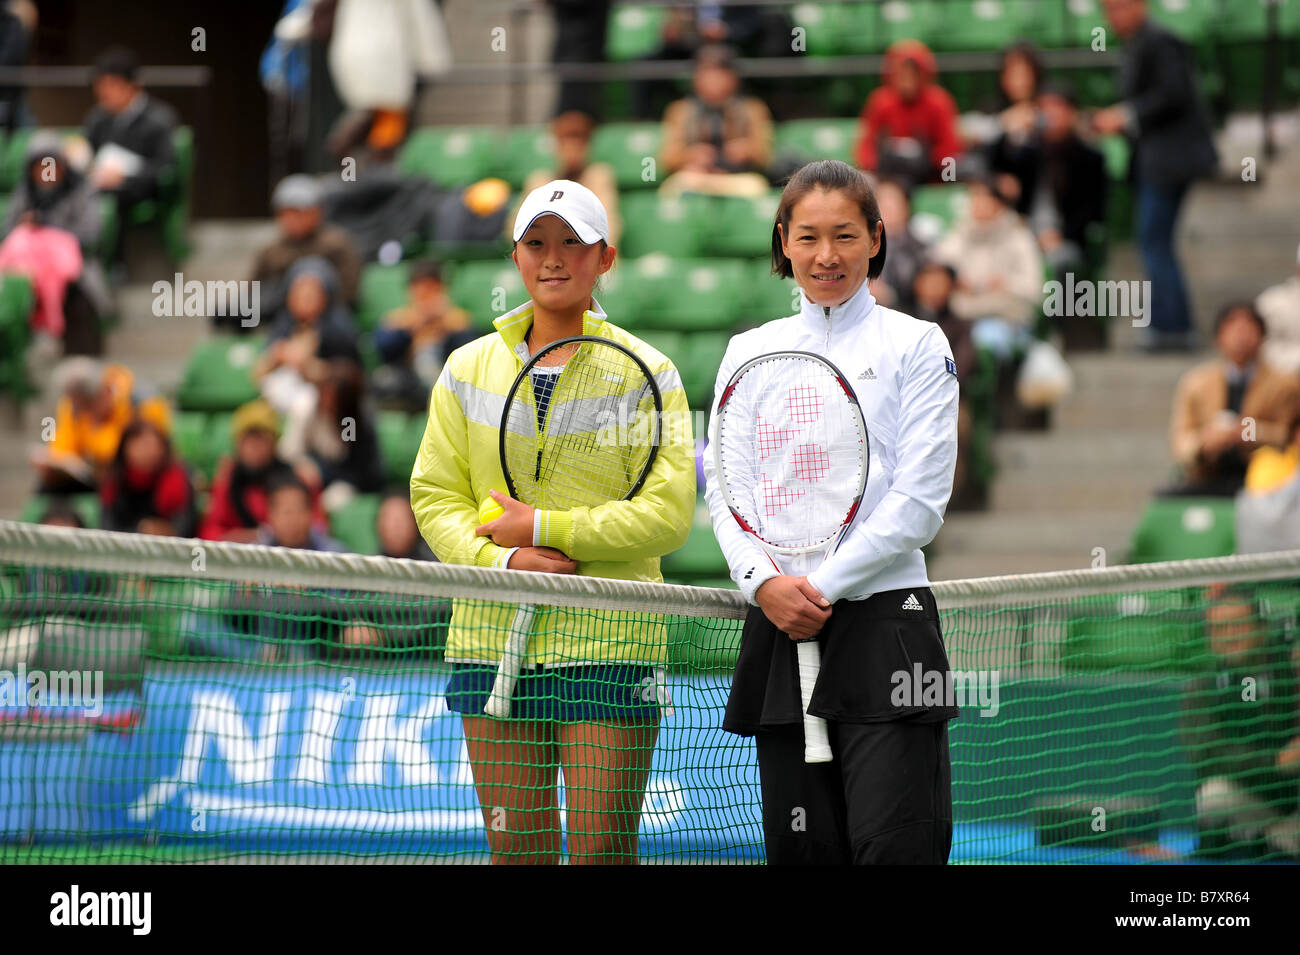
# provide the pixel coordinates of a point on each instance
(176, 701)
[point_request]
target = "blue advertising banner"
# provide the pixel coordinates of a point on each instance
(320, 760)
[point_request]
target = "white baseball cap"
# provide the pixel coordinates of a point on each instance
(571, 201)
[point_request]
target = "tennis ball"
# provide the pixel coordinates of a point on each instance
(489, 510)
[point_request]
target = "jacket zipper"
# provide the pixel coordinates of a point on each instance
(827, 310)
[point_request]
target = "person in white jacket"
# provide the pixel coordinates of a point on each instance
(886, 796)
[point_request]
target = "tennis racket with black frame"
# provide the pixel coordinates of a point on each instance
(581, 427)
(791, 451)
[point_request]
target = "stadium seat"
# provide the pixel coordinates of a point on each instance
(809, 139)
(619, 293)
(770, 297)
(1158, 631)
(936, 208)
(700, 556)
(698, 365)
(691, 294)
(451, 155)
(16, 303)
(526, 150)
(1184, 528)
(741, 228)
(826, 28)
(984, 24)
(1235, 20)
(676, 226)
(625, 147)
(353, 524)
(633, 32)
(382, 289)
(86, 506)
(1193, 19)
(910, 20)
(190, 440)
(486, 290)
(395, 445)
(218, 374)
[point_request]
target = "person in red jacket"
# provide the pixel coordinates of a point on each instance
(239, 503)
(147, 490)
(909, 124)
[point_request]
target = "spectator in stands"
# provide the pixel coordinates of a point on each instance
(53, 197)
(399, 535)
(338, 446)
(415, 339)
(580, 29)
(291, 517)
(1013, 154)
(999, 271)
(894, 288)
(716, 140)
(1279, 306)
(909, 124)
(1243, 746)
(1227, 407)
(297, 203)
(1161, 110)
(572, 132)
(95, 405)
(1069, 186)
(147, 490)
(131, 136)
(17, 27)
(932, 294)
(238, 505)
(1268, 505)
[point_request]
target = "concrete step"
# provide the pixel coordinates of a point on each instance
(945, 566)
(1069, 533)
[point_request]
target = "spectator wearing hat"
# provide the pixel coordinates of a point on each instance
(716, 140)
(1228, 407)
(130, 134)
(1279, 306)
(297, 203)
(908, 126)
(999, 270)
(96, 403)
(238, 505)
(572, 132)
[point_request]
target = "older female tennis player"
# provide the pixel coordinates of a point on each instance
(886, 795)
(586, 699)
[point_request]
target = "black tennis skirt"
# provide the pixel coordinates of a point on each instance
(883, 659)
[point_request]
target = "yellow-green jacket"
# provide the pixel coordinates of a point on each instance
(459, 463)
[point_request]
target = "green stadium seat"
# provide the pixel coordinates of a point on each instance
(770, 297)
(526, 150)
(382, 289)
(486, 290)
(936, 208)
(620, 294)
(910, 20)
(634, 32)
(691, 294)
(1193, 20)
(700, 556)
(825, 27)
(395, 444)
(984, 24)
(1185, 528)
(353, 524)
(740, 227)
(190, 440)
(698, 363)
(811, 139)
(86, 505)
(675, 226)
(451, 155)
(1157, 631)
(16, 303)
(1238, 19)
(625, 147)
(218, 374)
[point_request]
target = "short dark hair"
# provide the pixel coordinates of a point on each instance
(1233, 307)
(1027, 52)
(716, 54)
(117, 61)
(284, 482)
(425, 269)
(831, 175)
(1061, 90)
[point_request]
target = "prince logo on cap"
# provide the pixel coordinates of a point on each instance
(558, 194)
(572, 202)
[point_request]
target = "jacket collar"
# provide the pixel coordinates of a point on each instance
(852, 312)
(513, 326)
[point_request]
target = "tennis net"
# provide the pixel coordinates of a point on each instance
(166, 700)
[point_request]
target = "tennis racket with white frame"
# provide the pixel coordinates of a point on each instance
(791, 452)
(580, 427)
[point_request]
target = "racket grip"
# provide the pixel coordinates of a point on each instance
(503, 687)
(816, 739)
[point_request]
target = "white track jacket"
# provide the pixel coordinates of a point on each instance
(902, 371)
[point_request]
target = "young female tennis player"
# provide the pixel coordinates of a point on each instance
(585, 700)
(886, 795)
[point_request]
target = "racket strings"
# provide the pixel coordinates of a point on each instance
(585, 434)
